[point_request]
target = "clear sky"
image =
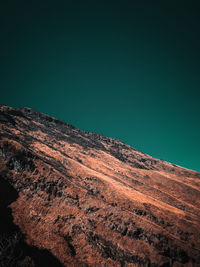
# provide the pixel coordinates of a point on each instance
(126, 69)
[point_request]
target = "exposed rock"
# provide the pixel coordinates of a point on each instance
(76, 198)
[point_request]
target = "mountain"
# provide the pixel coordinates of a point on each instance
(74, 198)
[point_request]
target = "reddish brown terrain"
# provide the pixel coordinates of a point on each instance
(73, 198)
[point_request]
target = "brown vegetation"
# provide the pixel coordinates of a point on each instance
(82, 199)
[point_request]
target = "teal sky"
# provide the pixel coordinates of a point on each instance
(126, 69)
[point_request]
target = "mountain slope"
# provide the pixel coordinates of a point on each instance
(90, 200)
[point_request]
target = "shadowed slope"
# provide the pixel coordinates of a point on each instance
(95, 201)
(13, 249)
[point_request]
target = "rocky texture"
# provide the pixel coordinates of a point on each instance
(73, 198)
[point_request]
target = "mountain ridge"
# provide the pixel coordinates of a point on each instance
(101, 201)
(32, 113)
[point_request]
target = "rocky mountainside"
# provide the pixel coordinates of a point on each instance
(74, 198)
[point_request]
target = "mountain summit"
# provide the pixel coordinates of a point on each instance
(74, 198)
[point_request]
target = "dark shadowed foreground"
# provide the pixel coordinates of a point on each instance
(73, 198)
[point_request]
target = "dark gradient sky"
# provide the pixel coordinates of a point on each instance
(125, 69)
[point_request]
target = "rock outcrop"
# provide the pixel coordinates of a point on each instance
(74, 198)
